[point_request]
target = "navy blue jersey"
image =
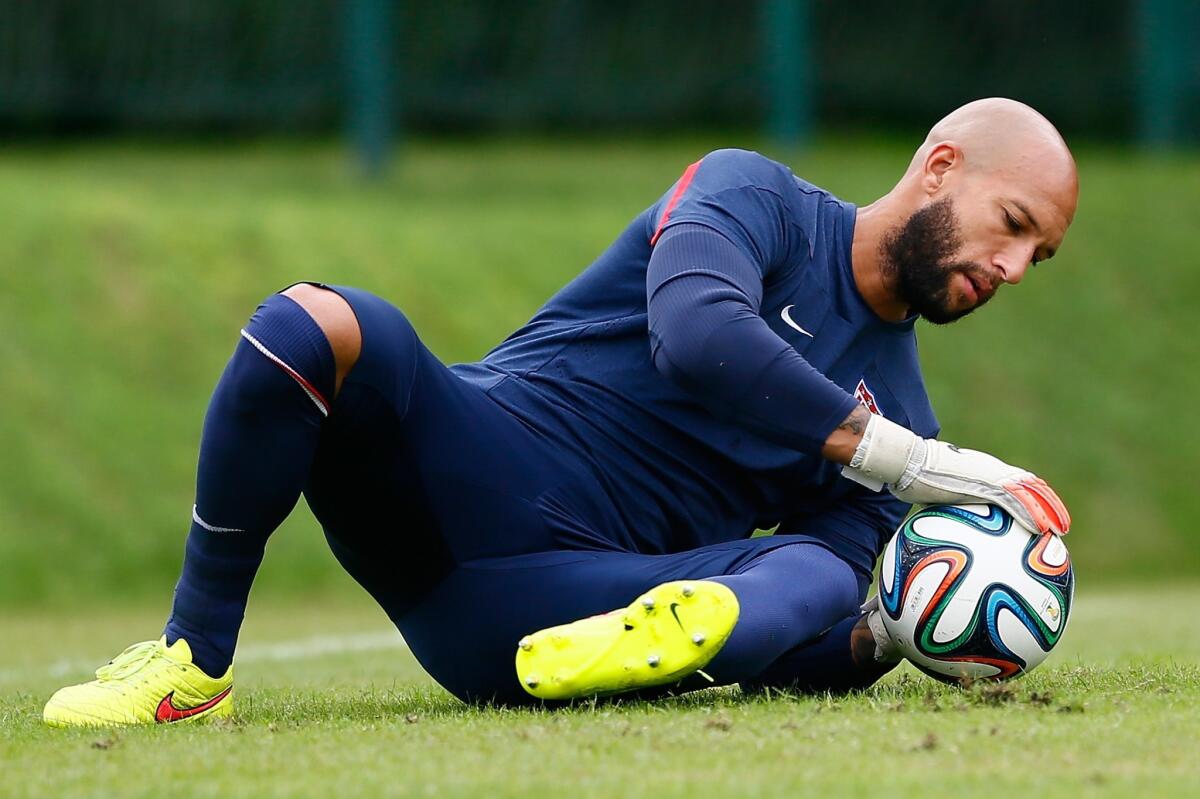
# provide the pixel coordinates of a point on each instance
(699, 363)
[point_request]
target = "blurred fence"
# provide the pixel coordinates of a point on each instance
(1113, 68)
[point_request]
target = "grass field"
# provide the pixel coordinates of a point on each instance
(331, 704)
(129, 267)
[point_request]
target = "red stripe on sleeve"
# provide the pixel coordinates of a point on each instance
(684, 182)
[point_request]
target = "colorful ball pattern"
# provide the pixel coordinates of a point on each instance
(968, 593)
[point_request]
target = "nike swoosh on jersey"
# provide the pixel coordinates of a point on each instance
(787, 318)
(167, 712)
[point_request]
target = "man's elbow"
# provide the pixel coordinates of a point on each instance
(677, 368)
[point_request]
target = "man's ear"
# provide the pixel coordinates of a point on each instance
(942, 158)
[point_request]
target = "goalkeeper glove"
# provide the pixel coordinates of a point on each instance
(925, 471)
(886, 649)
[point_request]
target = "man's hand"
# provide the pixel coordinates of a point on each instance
(926, 471)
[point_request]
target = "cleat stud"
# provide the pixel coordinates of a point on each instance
(532, 681)
(526, 643)
(687, 589)
(648, 602)
(653, 661)
(698, 639)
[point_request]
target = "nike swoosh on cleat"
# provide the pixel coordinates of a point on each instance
(787, 318)
(676, 615)
(168, 712)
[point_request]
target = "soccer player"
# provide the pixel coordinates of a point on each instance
(742, 356)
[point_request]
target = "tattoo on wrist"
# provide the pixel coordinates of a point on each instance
(856, 422)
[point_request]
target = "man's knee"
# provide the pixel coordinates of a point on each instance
(337, 321)
(840, 584)
(825, 588)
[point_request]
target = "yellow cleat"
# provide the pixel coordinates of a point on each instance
(148, 683)
(669, 632)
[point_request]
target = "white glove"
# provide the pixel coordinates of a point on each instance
(925, 471)
(886, 649)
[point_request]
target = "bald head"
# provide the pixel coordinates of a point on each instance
(1008, 139)
(990, 192)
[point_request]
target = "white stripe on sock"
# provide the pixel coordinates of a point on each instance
(258, 345)
(212, 528)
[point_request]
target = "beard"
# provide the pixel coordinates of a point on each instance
(918, 261)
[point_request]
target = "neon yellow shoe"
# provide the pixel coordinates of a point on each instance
(669, 632)
(148, 683)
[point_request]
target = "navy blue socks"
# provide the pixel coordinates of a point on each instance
(788, 597)
(825, 664)
(260, 438)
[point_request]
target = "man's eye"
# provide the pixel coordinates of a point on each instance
(1011, 222)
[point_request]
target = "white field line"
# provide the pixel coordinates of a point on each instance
(296, 649)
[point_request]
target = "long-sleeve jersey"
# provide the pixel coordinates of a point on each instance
(699, 364)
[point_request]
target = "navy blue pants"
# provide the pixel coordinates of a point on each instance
(469, 528)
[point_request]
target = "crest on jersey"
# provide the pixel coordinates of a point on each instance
(866, 397)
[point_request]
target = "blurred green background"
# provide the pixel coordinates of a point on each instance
(163, 169)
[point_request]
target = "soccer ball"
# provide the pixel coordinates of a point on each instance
(968, 593)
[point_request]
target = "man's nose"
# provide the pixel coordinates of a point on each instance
(1013, 264)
